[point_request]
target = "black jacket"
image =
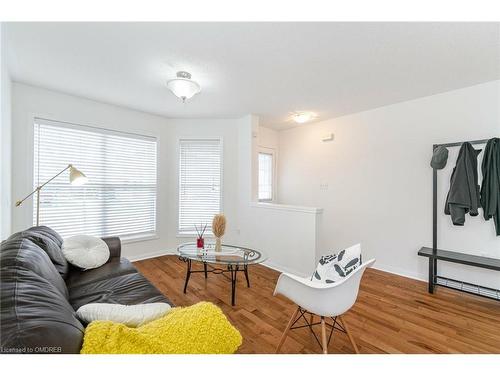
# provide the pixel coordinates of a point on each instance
(463, 196)
(490, 187)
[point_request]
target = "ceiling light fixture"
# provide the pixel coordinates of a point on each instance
(302, 117)
(183, 86)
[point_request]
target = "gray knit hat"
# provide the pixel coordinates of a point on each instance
(439, 157)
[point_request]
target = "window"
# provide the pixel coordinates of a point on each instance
(120, 195)
(266, 176)
(200, 162)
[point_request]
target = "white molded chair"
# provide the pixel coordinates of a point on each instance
(325, 300)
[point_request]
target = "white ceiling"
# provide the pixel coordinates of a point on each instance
(269, 69)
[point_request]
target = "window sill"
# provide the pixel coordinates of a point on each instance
(193, 235)
(139, 238)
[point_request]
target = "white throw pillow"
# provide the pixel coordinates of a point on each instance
(85, 251)
(333, 268)
(130, 315)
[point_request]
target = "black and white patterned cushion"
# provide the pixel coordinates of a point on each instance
(333, 268)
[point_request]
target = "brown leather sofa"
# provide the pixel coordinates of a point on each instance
(40, 292)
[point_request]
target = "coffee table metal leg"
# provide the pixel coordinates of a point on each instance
(246, 275)
(205, 269)
(233, 270)
(188, 274)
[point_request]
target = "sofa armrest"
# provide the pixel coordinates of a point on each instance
(115, 247)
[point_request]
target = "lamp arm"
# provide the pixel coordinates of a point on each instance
(38, 188)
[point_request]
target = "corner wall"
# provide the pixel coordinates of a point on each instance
(5, 142)
(374, 181)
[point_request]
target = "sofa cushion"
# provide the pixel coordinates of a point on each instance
(50, 242)
(35, 316)
(22, 253)
(335, 267)
(86, 252)
(116, 267)
(129, 289)
(130, 315)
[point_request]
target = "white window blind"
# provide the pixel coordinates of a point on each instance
(200, 162)
(120, 195)
(265, 176)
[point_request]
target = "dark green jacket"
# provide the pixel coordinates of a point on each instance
(463, 196)
(490, 188)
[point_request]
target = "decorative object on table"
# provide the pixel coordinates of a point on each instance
(75, 178)
(130, 315)
(200, 241)
(218, 229)
(86, 252)
(199, 329)
(326, 300)
(231, 260)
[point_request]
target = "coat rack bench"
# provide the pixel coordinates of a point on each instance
(434, 254)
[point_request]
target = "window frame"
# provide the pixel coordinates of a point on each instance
(272, 152)
(192, 234)
(37, 119)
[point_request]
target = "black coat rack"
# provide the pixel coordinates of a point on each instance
(434, 254)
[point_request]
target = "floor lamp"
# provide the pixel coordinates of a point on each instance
(75, 178)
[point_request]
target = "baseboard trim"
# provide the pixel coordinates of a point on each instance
(280, 268)
(154, 254)
(399, 272)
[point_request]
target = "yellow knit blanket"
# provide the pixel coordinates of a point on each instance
(199, 329)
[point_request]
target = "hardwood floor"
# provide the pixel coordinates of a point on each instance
(393, 314)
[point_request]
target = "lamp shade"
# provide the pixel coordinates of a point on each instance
(183, 87)
(76, 177)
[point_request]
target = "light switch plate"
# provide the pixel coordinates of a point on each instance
(327, 137)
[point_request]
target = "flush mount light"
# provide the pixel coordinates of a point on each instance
(183, 87)
(302, 117)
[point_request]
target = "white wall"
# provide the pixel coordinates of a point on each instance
(5, 142)
(287, 235)
(268, 138)
(379, 182)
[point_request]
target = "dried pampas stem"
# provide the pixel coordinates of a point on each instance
(218, 229)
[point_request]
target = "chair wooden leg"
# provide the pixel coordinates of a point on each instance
(287, 329)
(351, 339)
(323, 336)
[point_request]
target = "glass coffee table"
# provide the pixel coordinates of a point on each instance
(231, 259)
